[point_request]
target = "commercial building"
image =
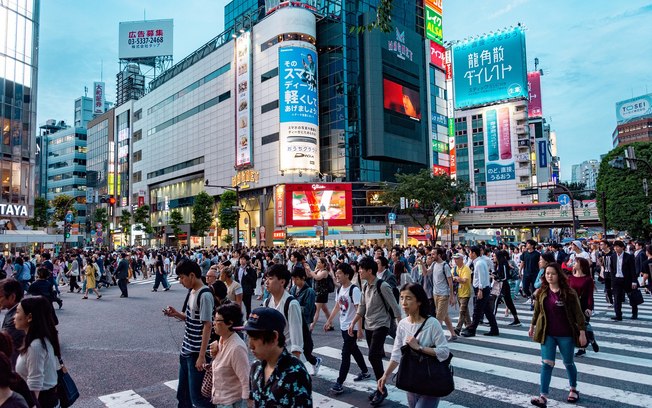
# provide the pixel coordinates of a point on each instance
(587, 173)
(18, 89)
(634, 121)
(293, 104)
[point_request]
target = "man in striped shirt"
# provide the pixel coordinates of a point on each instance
(197, 313)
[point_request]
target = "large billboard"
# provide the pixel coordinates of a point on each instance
(490, 69)
(307, 203)
(145, 39)
(499, 143)
(98, 98)
(243, 142)
(633, 108)
(401, 99)
(434, 25)
(534, 107)
(298, 124)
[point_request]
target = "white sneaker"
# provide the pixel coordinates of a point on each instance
(527, 302)
(315, 368)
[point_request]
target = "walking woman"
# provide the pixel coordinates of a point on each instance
(233, 288)
(40, 353)
(90, 273)
(320, 276)
(581, 281)
(160, 275)
(502, 275)
(230, 359)
(431, 339)
(74, 276)
(557, 321)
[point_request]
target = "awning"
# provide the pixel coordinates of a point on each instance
(310, 232)
(31, 237)
(357, 236)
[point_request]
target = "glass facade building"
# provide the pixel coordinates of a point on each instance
(18, 78)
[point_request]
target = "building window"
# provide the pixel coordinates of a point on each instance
(270, 138)
(269, 75)
(287, 37)
(138, 156)
(138, 177)
(138, 135)
(226, 95)
(138, 115)
(269, 107)
(176, 167)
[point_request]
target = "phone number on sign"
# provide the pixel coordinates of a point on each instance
(150, 40)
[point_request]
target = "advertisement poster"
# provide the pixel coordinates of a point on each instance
(145, 39)
(437, 55)
(299, 124)
(542, 153)
(243, 143)
(500, 159)
(98, 98)
(490, 69)
(306, 203)
(633, 108)
(534, 107)
(279, 205)
(434, 25)
(401, 99)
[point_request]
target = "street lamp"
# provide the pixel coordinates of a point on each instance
(322, 212)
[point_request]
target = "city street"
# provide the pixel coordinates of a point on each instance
(123, 353)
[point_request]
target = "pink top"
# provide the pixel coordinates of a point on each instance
(230, 367)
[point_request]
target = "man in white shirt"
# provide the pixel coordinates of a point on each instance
(482, 289)
(276, 281)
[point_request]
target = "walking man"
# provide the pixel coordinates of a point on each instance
(462, 276)
(624, 280)
(482, 292)
(122, 273)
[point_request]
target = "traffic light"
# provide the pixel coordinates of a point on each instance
(617, 163)
(111, 200)
(253, 233)
(386, 231)
(650, 213)
(66, 229)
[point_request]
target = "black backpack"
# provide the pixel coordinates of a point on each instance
(305, 329)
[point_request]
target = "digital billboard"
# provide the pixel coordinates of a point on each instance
(401, 99)
(499, 146)
(243, 142)
(304, 203)
(145, 39)
(534, 107)
(634, 108)
(298, 105)
(490, 69)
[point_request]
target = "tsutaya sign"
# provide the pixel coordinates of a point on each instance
(12, 209)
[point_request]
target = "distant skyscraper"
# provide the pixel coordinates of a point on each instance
(587, 173)
(19, 28)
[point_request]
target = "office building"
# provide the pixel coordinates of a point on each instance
(586, 173)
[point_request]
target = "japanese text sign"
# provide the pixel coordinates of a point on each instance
(143, 39)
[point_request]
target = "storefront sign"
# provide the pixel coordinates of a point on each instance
(13, 210)
(279, 235)
(244, 177)
(279, 205)
(373, 198)
(398, 46)
(434, 26)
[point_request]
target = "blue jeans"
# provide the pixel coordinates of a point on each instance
(190, 379)
(421, 401)
(548, 352)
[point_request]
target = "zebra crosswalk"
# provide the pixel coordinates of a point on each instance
(500, 371)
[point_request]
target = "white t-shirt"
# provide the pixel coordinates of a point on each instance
(347, 310)
(440, 275)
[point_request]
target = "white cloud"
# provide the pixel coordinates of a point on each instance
(509, 7)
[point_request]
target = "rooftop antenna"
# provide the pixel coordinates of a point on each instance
(101, 70)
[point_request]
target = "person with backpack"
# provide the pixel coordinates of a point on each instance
(306, 297)
(277, 279)
(443, 290)
(347, 300)
(22, 273)
(378, 307)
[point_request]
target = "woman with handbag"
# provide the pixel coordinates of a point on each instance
(420, 332)
(558, 321)
(38, 360)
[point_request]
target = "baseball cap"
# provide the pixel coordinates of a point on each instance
(264, 319)
(578, 244)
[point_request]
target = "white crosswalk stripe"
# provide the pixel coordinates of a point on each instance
(504, 371)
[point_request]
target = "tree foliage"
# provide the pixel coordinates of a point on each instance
(101, 215)
(176, 219)
(125, 224)
(226, 216)
(578, 190)
(202, 213)
(431, 198)
(61, 205)
(383, 19)
(627, 204)
(41, 208)
(142, 220)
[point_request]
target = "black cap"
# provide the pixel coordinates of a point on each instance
(264, 319)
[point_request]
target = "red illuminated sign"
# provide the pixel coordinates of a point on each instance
(306, 203)
(439, 170)
(437, 55)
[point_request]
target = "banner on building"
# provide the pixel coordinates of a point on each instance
(437, 55)
(98, 98)
(634, 108)
(299, 120)
(499, 146)
(534, 107)
(243, 142)
(145, 39)
(434, 25)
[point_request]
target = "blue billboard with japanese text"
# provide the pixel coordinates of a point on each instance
(298, 109)
(492, 68)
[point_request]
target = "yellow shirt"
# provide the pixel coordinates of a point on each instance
(464, 289)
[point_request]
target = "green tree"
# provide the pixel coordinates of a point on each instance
(176, 219)
(40, 219)
(125, 224)
(577, 188)
(627, 204)
(226, 216)
(202, 213)
(383, 18)
(142, 220)
(101, 215)
(61, 205)
(431, 197)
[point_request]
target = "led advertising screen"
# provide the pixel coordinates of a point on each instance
(490, 69)
(298, 105)
(144, 39)
(305, 204)
(534, 107)
(634, 108)
(401, 99)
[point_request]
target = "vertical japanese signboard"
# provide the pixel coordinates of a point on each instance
(490, 69)
(98, 98)
(279, 205)
(434, 25)
(498, 145)
(534, 107)
(437, 55)
(243, 142)
(298, 122)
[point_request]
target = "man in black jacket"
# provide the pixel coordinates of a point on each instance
(639, 256)
(122, 273)
(623, 280)
(246, 276)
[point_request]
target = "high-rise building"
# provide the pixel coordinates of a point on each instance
(587, 173)
(83, 111)
(19, 28)
(634, 121)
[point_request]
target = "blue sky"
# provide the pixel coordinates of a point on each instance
(593, 53)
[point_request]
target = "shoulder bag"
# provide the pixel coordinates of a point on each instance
(635, 297)
(424, 374)
(66, 387)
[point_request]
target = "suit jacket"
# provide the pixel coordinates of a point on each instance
(639, 259)
(629, 271)
(248, 279)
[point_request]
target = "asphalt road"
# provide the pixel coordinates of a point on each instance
(126, 351)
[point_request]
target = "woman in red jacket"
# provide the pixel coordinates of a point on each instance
(582, 282)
